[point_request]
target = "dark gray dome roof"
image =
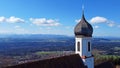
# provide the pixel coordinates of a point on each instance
(83, 28)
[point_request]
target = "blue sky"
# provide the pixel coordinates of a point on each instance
(59, 16)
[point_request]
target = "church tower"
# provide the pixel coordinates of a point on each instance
(83, 36)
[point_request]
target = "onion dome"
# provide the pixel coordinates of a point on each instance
(83, 28)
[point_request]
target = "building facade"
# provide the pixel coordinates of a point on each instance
(83, 36)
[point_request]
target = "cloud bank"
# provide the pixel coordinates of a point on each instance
(44, 22)
(11, 19)
(98, 19)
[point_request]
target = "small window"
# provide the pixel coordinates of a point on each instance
(78, 46)
(88, 46)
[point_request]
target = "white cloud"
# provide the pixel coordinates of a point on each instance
(44, 22)
(103, 20)
(11, 19)
(2, 19)
(77, 20)
(98, 19)
(111, 24)
(96, 27)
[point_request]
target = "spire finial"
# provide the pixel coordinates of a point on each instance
(83, 9)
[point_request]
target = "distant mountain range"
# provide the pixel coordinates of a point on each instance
(43, 36)
(32, 36)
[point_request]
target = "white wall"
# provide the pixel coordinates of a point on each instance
(84, 50)
(83, 46)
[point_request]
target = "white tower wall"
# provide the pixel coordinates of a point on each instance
(83, 48)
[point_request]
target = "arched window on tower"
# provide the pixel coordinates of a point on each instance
(78, 45)
(88, 46)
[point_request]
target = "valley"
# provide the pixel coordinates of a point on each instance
(19, 49)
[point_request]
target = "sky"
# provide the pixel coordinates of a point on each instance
(59, 16)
